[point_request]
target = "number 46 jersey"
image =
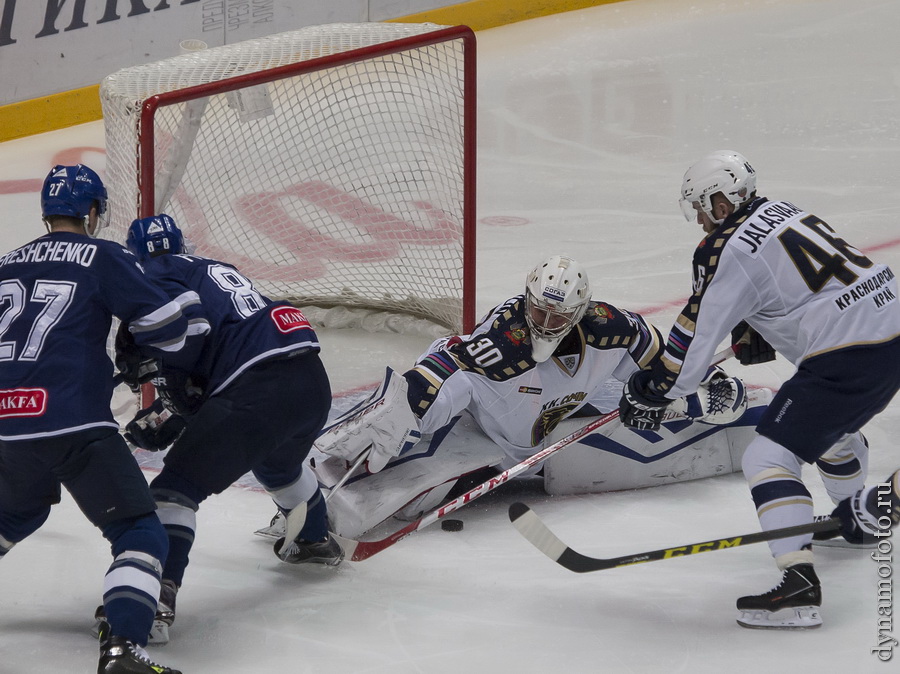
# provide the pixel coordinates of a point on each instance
(794, 280)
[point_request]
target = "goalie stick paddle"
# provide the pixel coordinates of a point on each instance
(357, 551)
(539, 535)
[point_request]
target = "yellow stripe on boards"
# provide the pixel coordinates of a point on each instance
(78, 106)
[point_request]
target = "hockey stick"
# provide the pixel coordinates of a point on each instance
(274, 532)
(293, 523)
(537, 533)
(356, 464)
(357, 551)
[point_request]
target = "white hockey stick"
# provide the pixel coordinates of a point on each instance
(356, 464)
(293, 523)
(278, 527)
(357, 551)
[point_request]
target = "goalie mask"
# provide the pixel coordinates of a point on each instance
(557, 293)
(722, 171)
(72, 191)
(156, 235)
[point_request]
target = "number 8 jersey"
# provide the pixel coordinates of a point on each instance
(232, 325)
(792, 278)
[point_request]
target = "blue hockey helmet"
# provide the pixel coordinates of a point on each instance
(156, 235)
(72, 191)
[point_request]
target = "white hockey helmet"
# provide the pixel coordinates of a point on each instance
(722, 171)
(557, 293)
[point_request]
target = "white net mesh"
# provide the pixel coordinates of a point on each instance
(339, 185)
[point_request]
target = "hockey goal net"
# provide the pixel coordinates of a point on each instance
(333, 165)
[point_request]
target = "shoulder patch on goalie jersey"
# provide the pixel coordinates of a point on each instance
(607, 327)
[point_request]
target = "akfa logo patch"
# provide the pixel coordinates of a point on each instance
(23, 402)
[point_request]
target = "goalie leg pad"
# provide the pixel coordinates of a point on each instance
(367, 500)
(615, 457)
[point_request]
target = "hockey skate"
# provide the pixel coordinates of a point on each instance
(165, 616)
(275, 529)
(328, 552)
(793, 604)
(120, 656)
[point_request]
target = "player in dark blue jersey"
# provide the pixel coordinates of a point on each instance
(58, 295)
(254, 400)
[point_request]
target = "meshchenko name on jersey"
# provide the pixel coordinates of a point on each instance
(53, 251)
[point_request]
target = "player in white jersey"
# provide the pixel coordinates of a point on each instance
(486, 401)
(830, 311)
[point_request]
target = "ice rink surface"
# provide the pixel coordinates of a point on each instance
(587, 121)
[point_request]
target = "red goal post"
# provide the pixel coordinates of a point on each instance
(333, 165)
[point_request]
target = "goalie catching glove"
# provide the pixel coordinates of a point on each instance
(384, 422)
(719, 399)
(154, 428)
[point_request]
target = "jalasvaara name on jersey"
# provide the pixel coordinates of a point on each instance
(765, 222)
(52, 251)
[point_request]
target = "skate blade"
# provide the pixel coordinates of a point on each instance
(276, 528)
(798, 618)
(159, 633)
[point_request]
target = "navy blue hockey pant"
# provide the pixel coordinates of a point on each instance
(831, 395)
(265, 421)
(97, 469)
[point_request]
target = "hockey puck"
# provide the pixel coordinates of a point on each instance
(452, 525)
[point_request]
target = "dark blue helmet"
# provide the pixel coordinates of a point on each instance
(156, 235)
(71, 191)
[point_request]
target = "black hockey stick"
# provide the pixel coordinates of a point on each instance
(537, 533)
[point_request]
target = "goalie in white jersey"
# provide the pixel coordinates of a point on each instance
(830, 311)
(491, 399)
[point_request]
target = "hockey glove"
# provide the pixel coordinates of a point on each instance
(749, 346)
(640, 407)
(154, 428)
(719, 399)
(134, 367)
(870, 512)
(177, 392)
